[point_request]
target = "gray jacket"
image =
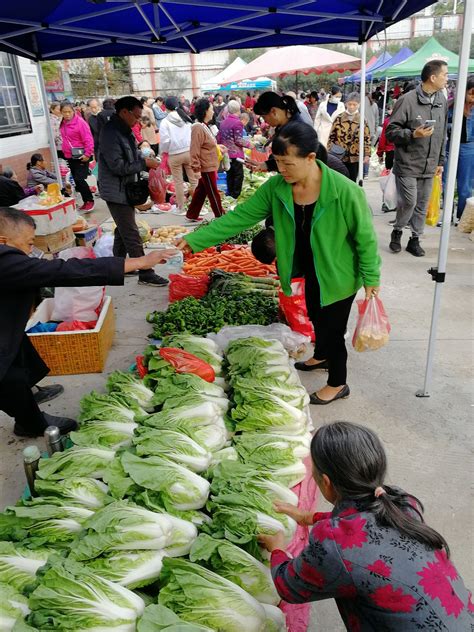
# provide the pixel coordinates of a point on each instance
(119, 160)
(418, 157)
(40, 176)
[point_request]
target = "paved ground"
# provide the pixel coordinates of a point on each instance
(429, 441)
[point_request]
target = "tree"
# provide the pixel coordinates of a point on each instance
(51, 70)
(172, 81)
(446, 7)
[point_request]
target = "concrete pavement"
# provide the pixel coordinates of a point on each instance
(429, 441)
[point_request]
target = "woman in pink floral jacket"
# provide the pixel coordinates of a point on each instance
(386, 569)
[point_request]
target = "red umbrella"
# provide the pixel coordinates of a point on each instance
(296, 59)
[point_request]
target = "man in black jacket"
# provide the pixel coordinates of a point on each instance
(20, 278)
(119, 165)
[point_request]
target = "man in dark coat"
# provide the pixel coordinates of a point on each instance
(20, 278)
(121, 164)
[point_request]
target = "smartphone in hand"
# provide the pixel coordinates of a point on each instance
(429, 123)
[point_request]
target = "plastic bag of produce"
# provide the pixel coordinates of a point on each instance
(434, 205)
(77, 303)
(291, 340)
(182, 285)
(157, 186)
(294, 309)
(104, 246)
(185, 362)
(389, 188)
(372, 329)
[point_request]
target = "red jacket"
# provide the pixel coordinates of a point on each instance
(384, 144)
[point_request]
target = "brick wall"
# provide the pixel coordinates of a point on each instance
(18, 162)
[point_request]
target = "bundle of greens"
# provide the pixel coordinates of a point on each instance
(78, 490)
(82, 462)
(131, 387)
(211, 313)
(132, 569)
(260, 359)
(69, 596)
(115, 407)
(187, 384)
(200, 596)
(248, 389)
(245, 237)
(104, 434)
(252, 182)
(18, 564)
(271, 451)
(271, 414)
(176, 446)
(234, 284)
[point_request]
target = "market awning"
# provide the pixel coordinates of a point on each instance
(373, 63)
(380, 72)
(215, 82)
(412, 66)
(67, 29)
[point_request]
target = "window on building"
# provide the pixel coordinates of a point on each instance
(14, 117)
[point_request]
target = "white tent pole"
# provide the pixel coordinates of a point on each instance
(360, 175)
(49, 127)
(384, 99)
(439, 272)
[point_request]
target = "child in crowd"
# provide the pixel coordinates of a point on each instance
(374, 554)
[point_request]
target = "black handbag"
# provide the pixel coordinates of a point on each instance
(137, 192)
(337, 151)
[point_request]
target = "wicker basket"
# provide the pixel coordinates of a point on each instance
(74, 352)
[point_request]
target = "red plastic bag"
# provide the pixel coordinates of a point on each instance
(157, 186)
(141, 368)
(294, 309)
(76, 325)
(165, 165)
(182, 285)
(185, 362)
(372, 329)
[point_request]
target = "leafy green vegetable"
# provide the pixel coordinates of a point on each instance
(271, 414)
(203, 423)
(247, 390)
(70, 596)
(89, 492)
(237, 565)
(119, 482)
(259, 358)
(18, 564)
(132, 569)
(43, 524)
(202, 348)
(271, 451)
(178, 486)
(113, 407)
(83, 462)
(276, 620)
(153, 501)
(185, 383)
(196, 400)
(132, 387)
(175, 446)
(104, 434)
(157, 618)
(13, 607)
(200, 596)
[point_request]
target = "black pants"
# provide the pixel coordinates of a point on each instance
(389, 155)
(127, 240)
(80, 171)
(16, 398)
(353, 169)
(235, 178)
(330, 325)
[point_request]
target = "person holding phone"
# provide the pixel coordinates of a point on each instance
(418, 128)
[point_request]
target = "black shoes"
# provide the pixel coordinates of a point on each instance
(395, 240)
(414, 248)
(47, 393)
(302, 366)
(152, 279)
(343, 394)
(64, 424)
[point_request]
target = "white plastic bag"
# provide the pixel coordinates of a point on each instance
(104, 246)
(388, 185)
(77, 303)
(291, 340)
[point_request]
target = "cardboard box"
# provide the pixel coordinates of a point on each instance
(87, 237)
(54, 243)
(74, 352)
(50, 220)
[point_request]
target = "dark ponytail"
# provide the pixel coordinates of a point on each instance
(269, 100)
(354, 460)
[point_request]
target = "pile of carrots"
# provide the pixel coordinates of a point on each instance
(237, 259)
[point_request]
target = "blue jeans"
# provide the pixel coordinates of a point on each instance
(464, 175)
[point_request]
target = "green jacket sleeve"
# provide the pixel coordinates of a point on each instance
(244, 216)
(360, 224)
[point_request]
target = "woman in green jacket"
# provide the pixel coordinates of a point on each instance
(323, 230)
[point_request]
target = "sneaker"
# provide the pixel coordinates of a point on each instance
(153, 279)
(87, 207)
(64, 424)
(414, 248)
(44, 394)
(395, 240)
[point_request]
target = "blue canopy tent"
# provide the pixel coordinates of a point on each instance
(380, 61)
(380, 72)
(68, 29)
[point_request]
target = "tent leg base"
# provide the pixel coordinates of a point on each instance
(422, 393)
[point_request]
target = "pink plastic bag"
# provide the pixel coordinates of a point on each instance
(165, 165)
(372, 329)
(77, 303)
(157, 186)
(294, 309)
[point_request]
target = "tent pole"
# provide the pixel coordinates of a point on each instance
(438, 273)
(384, 99)
(360, 175)
(49, 127)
